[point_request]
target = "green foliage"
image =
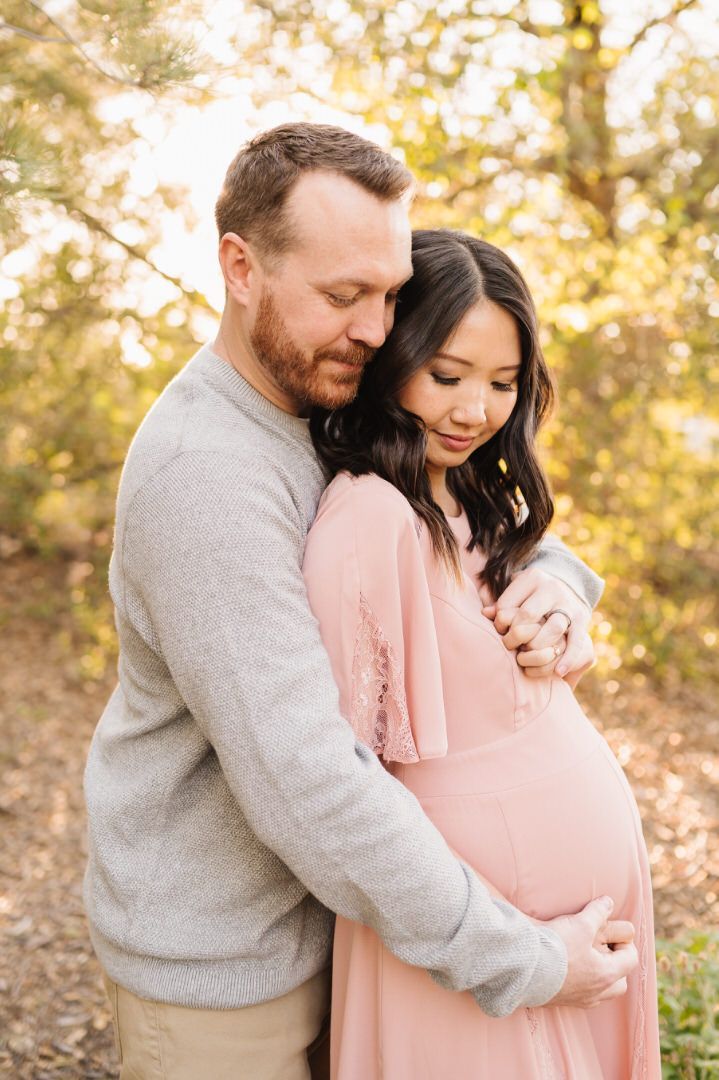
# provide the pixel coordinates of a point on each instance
(529, 132)
(55, 68)
(73, 403)
(689, 1007)
(26, 163)
(76, 243)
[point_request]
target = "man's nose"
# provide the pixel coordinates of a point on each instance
(370, 325)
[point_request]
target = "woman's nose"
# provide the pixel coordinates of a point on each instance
(472, 411)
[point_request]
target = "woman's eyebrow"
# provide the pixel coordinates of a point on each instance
(457, 359)
(468, 363)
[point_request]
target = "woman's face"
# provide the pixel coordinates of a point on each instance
(468, 390)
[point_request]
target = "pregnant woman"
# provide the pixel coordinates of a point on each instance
(421, 526)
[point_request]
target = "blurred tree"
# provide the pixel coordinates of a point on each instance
(55, 67)
(584, 138)
(77, 240)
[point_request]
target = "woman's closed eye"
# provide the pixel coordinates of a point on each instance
(507, 387)
(445, 380)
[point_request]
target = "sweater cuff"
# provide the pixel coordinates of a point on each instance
(550, 972)
(577, 575)
(545, 981)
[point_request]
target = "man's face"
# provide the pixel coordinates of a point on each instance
(323, 376)
(320, 314)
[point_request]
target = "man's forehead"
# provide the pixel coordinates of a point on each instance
(331, 192)
(347, 230)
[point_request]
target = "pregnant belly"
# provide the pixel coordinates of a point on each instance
(550, 826)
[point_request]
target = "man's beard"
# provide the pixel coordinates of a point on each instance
(305, 378)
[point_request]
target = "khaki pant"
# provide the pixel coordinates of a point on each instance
(283, 1039)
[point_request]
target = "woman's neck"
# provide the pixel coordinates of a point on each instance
(441, 494)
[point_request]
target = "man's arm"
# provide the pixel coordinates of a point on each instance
(555, 558)
(212, 553)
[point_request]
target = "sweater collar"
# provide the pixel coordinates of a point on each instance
(228, 381)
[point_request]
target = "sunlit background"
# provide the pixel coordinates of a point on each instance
(581, 137)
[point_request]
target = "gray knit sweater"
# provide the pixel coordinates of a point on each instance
(231, 809)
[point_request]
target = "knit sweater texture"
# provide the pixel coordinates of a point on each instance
(231, 809)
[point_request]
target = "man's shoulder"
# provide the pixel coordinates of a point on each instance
(194, 442)
(191, 414)
(225, 503)
(192, 477)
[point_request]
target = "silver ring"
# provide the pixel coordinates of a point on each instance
(557, 650)
(559, 611)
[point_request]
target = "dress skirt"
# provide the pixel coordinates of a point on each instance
(547, 816)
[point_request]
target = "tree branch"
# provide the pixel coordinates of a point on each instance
(30, 34)
(137, 253)
(68, 39)
(660, 20)
(530, 27)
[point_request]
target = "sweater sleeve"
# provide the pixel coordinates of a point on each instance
(556, 559)
(211, 551)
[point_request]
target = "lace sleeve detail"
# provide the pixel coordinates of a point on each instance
(379, 713)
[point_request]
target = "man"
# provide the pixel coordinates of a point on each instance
(231, 809)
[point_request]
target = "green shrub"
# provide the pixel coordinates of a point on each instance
(689, 1007)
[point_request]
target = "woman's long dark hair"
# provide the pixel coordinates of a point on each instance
(374, 434)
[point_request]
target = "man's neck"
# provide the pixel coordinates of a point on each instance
(234, 347)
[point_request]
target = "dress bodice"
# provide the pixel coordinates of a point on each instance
(487, 696)
(421, 671)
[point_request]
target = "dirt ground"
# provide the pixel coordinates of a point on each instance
(54, 1020)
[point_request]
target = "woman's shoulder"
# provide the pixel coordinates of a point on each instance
(367, 504)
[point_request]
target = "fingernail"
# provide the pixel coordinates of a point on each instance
(561, 670)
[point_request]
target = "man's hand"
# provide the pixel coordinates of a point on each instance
(520, 615)
(600, 955)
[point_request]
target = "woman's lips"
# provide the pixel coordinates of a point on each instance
(456, 443)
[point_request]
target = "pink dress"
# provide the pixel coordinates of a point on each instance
(512, 774)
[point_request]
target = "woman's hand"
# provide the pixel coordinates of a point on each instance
(539, 659)
(547, 623)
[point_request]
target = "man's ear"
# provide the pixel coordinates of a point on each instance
(239, 267)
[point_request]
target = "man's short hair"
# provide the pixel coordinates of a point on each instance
(253, 199)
